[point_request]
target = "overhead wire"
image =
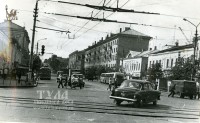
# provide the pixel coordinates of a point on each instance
(81, 26)
(100, 22)
(89, 20)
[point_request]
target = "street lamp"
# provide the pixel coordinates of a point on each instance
(194, 45)
(38, 44)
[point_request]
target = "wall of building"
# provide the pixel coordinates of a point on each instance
(168, 59)
(76, 60)
(14, 45)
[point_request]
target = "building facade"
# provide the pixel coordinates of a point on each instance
(14, 42)
(135, 64)
(76, 60)
(168, 57)
(108, 52)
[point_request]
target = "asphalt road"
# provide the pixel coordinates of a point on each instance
(47, 103)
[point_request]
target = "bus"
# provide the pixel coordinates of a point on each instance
(45, 73)
(115, 76)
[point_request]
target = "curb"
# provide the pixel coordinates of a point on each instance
(17, 86)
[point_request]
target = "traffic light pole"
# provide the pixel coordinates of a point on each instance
(33, 38)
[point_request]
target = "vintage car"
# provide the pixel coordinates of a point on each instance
(77, 80)
(185, 88)
(137, 91)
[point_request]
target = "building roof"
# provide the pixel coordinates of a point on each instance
(132, 54)
(11, 25)
(144, 54)
(129, 31)
(135, 54)
(175, 48)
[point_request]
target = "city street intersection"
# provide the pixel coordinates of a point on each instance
(46, 103)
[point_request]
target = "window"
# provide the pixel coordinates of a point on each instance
(167, 65)
(171, 62)
(139, 66)
(132, 66)
(146, 87)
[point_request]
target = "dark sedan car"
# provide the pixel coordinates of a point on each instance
(137, 91)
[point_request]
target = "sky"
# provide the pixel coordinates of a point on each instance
(84, 32)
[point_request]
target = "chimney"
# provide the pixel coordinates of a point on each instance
(155, 47)
(176, 43)
(120, 30)
(127, 28)
(101, 38)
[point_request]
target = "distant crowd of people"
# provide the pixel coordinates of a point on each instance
(12, 74)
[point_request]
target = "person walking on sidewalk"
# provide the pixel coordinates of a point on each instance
(172, 91)
(60, 81)
(19, 75)
(109, 84)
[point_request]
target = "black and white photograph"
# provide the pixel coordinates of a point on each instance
(99, 61)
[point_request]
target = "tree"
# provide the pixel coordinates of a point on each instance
(182, 70)
(155, 72)
(55, 63)
(37, 62)
(91, 73)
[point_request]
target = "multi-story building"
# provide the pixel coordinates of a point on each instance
(76, 60)
(14, 42)
(108, 52)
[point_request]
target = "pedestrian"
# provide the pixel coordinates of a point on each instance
(66, 82)
(156, 86)
(1, 73)
(172, 91)
(116, 82)
(19, 75)
(69, 81)
(60, 81)
(5, 73)
(109, 84)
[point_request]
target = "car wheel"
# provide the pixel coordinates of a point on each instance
(155, 102)
(191, 96)
(118, 102)
(138, 103)
(181, 95)
(80, 86)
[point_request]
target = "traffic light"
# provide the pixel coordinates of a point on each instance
(43, 48)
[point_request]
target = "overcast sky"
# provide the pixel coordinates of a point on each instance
(86, 32)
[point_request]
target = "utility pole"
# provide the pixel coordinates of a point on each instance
(33, 37)
(194, 45)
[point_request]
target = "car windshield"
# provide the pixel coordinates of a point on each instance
(130, 84)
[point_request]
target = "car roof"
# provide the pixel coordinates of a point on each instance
(183, 81)
(138, 81)
(77, 74)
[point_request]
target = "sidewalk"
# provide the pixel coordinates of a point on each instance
(9, 83)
